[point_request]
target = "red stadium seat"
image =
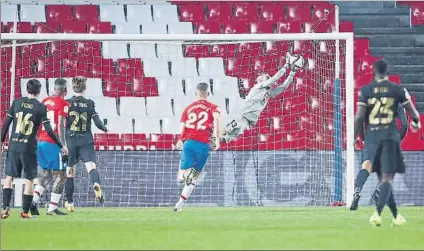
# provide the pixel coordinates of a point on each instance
(69, 65)
(219, 12)
(248, 49)
(208, 28)
(363, 80)
(107, 142)
(115, 87)
(90, 49)
(161, 141)
(61, 49)
(316, 27)
(276, 48)
(50, 27)
(196, 51)
(223, 50)
(74, 27)
(298, 12)
(395, 79)
(102, 68)
(234, 27)
(261, 27)
(268, 64)
(361, 47)
(366, 64)
(86, 12)
(238, 67)
(289, 27)
(99, 27)
(246, 11)
(191, 13)
(1, 27)
(417, 13)
(324, 11)
(346, 26)
(145, 87)
(272, 12)
(59, 13)
(130, 68)
(134, 141)
(21, 27)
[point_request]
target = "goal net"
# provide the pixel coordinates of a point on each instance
(298, 152)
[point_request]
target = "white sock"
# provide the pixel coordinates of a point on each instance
(187, 190)
(38, 191)
(54, 201)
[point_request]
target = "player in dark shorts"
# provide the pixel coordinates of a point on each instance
(80, 141)
(27, 114)
(377, 106)
(366, 167)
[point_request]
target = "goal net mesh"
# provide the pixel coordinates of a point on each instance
(140, 89)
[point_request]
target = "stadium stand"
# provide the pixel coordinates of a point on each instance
(123, 74)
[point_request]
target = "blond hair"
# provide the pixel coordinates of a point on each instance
(79, 84)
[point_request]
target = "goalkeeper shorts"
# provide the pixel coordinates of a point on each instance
(195, 154)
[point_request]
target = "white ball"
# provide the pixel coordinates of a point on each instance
(297, 61)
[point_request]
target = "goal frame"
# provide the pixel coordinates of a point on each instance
(336, 36)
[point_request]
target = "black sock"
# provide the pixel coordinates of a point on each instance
(7, 196)
(375, 195)
(94, 176)
(385, 191)
(69, 190)
(361, 179)
(392, 205)
(26, 202)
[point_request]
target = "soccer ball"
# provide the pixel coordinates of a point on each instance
(297, 61)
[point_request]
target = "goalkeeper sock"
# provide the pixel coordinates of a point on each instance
(187, 190)
(94, 176)
(392, 205)
(38, 191)
(54, 201)
(69, 190)
(361, 179)
(26, 202)
(385, 191)
(7, 196)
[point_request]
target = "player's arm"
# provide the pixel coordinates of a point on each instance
(50, 132)
(403, 122)
(361, 108)
(61, 127)
(217, 128)
(7, 122)
(405, 99)
(95, 116)
(180, 142)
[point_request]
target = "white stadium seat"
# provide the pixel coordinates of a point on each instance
(165, 14)
(156, 68)
(32, 13)
(169, 86)
(43, 91)
(105, 106)
(112, 13)
(180, 103)
(211, 67)
(226, 86)
(8, 12)
(114, 50)
(180, 28)
(220, 102)
(147, 125)
(143, 50)
(171, 125)
(94, 88)
(115, 124)
(170, 51)
(185, 67)
(127, 28)
(191, 84)
(158, 107)
(139, 14)
(133, 107)
(154, 28)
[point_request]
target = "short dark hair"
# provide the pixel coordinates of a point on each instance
(60, 84)
(33, 87)
(202, 87)
(79, 84)
(380, 67)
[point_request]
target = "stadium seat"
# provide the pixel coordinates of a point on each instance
(366, 64)
(245, 11)
(147, 125)
(238, 67)
(130, 68)
(156, 68)
(32, 13)
(74, 27)
(112, 13)
(289, 27)
(134, 141)
(170, 51)
(219, 12)
(159, 107)
(346, 26)
(191, 13)
(125, 28)
(99, 27)
(234, 27)
(143, 50)
(223, 50)
(43, 91)
(145, 87)
(180, 28)
(1, 27)
(86, 13)
(94, 88)
(272, 12)
(50, 27)
(184, 68)
(298, 12)
(211, 67)
(361, 47)
(268, 64)
(395, 79)
(134, 107)
(139, 14)
(114, 50)
(179, 104)
(262, 27)
(168, 86)
(115, 87)
(248, 49)
(208, 28)
(161, 141)
(107, 141)
(8, 12)
(196, 51)
(171, 125)
(324, 11)
(59, 13)
(189, 85)
(165, 14)
(417, 13)
(154, 28)
(21, 27)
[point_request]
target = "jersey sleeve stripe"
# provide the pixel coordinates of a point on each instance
(95, 115)
(46, 121)
(361, 103)
(406, 102)
(9, 115)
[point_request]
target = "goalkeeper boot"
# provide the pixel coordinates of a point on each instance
(56, 211)
(34, 209)
(26, 216)
(99, 193)
(191, 176)
(398, 221)
(375, 219)
(70, 207)
(5, 214)
(355, 202)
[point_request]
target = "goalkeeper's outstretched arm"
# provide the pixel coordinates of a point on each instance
(279, 89)
(270, 81)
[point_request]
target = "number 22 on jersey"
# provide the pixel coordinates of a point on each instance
(197, 121)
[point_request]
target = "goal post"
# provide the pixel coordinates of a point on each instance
(337, 65)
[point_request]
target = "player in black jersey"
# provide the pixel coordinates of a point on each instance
(366, 167)
(377, 106)
(27, 114)
(80, 141)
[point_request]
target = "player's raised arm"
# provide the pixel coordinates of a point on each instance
(7, 122)
(217, 128)
(99, 124)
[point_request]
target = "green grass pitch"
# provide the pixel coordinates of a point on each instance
(214, 228)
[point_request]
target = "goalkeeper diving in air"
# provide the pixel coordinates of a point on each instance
(258, 97)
